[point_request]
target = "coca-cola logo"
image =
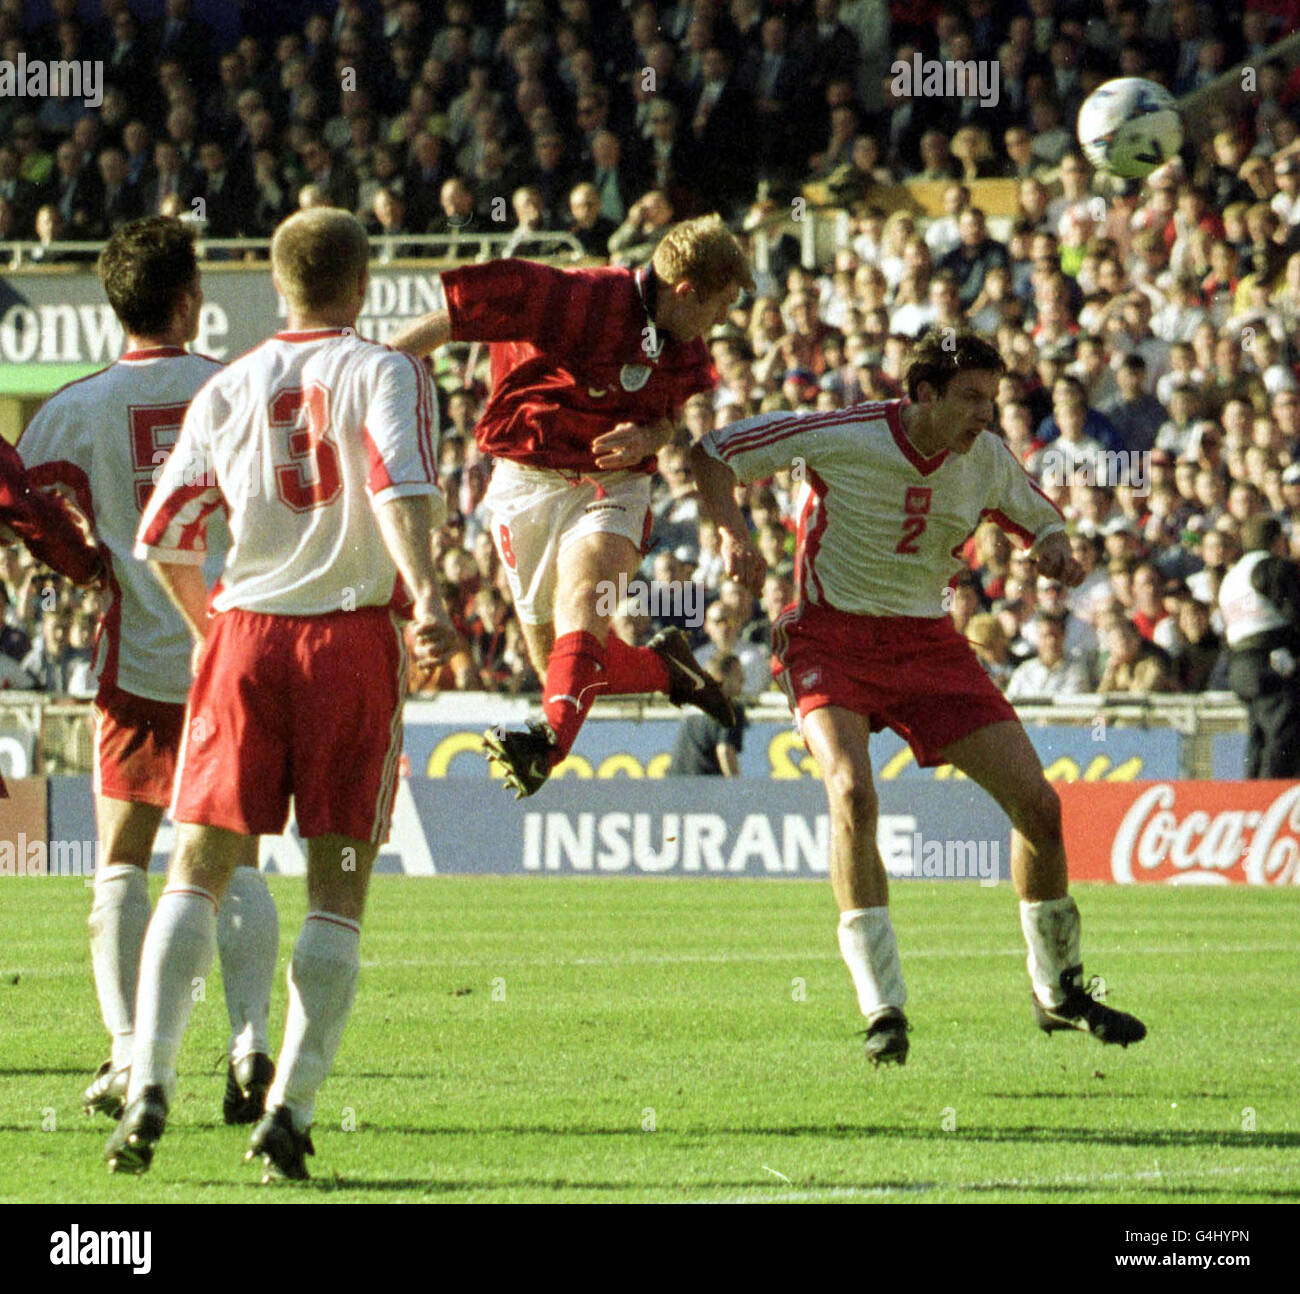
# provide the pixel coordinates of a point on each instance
(1202, 848)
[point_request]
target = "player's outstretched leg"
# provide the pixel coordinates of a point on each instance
(525, 758)
(322, 986)
(838, 740)
(1001, 759)
(688, 681)
(248, 940)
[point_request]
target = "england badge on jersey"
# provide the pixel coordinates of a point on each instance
(634, 376)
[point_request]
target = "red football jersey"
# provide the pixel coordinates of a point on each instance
(574, 353)
(44, 524)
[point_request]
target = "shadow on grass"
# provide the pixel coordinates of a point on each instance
(761, 1190)
(1172, 1137)
(86, 1071)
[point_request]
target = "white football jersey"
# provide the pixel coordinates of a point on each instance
(298, 440)
(103, 440)
(881, 527)
(1246, 612)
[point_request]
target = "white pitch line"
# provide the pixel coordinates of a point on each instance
(910, 954)
(1174, 1178)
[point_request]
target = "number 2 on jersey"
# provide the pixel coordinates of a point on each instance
(916, 504)
(311, 479)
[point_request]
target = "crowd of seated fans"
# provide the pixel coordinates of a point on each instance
(1153, 380)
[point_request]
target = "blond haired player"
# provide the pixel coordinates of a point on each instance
(102, 441)
(322, 449)
(892, 491)
(590, 370)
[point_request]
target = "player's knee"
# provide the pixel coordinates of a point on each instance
(852, 791)
(581, 604)
(1042, 824)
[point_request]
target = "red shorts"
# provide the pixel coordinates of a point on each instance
(301, 708)
(136, 743)
(916, 675)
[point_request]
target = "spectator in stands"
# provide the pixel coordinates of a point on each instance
(974, 256)
(647, 222)
(119, 202)
(1050, 672)
(1132, 664)
(989, 640)
(704, 748)
(1136, 415)
(592, 229)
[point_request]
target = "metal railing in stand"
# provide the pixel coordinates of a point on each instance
(455, 244)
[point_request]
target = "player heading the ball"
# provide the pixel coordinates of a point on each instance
(590, 370)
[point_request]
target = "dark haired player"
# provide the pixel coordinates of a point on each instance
(103, 441)
(892, 491)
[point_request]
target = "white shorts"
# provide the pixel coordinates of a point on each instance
(537, 511)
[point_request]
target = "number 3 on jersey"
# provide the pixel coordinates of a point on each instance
(916, 504)
(311, 478)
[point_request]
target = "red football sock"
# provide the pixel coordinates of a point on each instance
(575, 676)
(632, 669)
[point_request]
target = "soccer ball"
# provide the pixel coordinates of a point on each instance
(1129, 127)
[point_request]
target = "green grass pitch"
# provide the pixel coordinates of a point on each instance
(574, 1039)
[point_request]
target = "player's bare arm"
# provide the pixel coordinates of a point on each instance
(405, 524)
(184, 584)
(717, 487)
(425, 335)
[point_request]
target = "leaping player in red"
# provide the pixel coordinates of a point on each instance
(590, 369)
(892, 491)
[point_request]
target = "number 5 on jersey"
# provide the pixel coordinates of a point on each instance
(311, 478)
(916, 505)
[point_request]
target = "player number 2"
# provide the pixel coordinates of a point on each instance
(312, 478)
(916, 504)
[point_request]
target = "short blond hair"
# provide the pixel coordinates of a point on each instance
(704, 253)
(317, 256)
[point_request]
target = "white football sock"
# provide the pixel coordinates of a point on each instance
(1051, 929)
(177, 952)
(248, 939)
(322, 984)
(119, 917)
(870, 951)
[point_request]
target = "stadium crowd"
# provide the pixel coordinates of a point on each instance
(1147, 328)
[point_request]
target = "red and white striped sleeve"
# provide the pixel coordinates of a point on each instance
(756, 448)
(401, 431)
(173, 527)
(1017, 504)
